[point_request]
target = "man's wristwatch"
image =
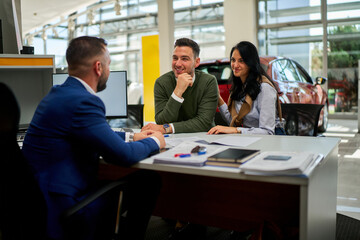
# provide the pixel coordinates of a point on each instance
(131, 136)
(167, 128)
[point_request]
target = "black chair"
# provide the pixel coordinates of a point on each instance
(22, 207)
(136, 112)
(301, 119)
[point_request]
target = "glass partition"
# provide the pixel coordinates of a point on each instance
(295, 29)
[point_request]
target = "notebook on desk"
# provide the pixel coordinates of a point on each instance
(231, 157)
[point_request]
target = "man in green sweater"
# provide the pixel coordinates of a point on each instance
(185, 98)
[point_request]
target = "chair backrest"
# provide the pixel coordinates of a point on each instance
(136, 112)
(301, 119)
(22, 208)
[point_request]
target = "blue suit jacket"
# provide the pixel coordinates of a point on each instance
(65, 138)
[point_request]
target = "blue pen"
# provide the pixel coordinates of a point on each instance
(166, 135)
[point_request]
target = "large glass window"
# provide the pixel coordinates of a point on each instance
(343, 56)
(201, 20)
(294, 29)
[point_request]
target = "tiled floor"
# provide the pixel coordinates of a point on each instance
(348, 191)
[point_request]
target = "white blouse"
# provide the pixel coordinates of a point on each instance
(261, 118)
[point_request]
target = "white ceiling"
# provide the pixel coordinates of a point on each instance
(36, 13)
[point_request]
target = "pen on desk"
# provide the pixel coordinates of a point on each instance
(182, 155)
(166, 135)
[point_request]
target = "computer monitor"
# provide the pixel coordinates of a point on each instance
(114, 95)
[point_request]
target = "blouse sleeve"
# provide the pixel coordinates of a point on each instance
(267, 112)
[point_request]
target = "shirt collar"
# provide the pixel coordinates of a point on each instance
(87, 87)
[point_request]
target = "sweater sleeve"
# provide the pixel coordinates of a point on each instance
(166, 107)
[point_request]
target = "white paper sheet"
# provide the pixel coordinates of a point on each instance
(172, 142)
(237, 141)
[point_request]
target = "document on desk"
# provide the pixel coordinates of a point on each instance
(172, 142)
(237, 141)
(282, 163)
(181, 154)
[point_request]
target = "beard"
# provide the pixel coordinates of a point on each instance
(102, 83)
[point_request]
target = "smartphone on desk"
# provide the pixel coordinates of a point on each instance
(277, 157)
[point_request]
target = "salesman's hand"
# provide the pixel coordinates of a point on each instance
(184, 80)
(159, 136)
(222, 129)
(154, 127)
(143, 134)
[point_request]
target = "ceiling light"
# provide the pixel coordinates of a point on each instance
(71, 24)
(117, 8)
(43, 35)
(29, 40)
(91, 17)
(56, 35)
(102, 25)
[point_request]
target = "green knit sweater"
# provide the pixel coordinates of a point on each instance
(196, 113)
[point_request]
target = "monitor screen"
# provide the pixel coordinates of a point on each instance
(114, 95)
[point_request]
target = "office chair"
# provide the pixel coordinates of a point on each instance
(22, 207)
(136, 112)
(301, 119)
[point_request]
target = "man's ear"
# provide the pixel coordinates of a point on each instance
(197, 62)
(98, 68)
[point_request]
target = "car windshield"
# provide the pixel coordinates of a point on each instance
(221, 72)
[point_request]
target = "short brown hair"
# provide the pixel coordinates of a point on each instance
(81, 49)
(186, 42)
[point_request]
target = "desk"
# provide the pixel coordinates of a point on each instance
(225, 198)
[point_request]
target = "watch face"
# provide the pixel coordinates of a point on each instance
(167, 128)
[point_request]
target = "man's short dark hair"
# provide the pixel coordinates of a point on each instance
(81, 49)
(186, 42)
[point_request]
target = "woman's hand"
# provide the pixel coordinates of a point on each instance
(222, 129)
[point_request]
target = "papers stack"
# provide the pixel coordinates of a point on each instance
(282, 163)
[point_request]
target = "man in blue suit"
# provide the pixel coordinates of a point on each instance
(67, 135)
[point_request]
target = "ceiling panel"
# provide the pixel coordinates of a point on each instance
(36, 13)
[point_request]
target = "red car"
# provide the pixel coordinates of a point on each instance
(294, 83)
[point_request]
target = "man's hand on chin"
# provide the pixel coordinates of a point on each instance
(184, 81)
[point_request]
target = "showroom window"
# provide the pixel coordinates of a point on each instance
(123, 28)
(295, 29)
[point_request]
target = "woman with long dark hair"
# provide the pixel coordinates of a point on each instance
(251, 107)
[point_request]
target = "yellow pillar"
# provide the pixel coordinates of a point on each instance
(151, 71)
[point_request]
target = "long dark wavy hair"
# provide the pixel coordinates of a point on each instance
(252, 83)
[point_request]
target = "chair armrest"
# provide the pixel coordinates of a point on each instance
(93, 196)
